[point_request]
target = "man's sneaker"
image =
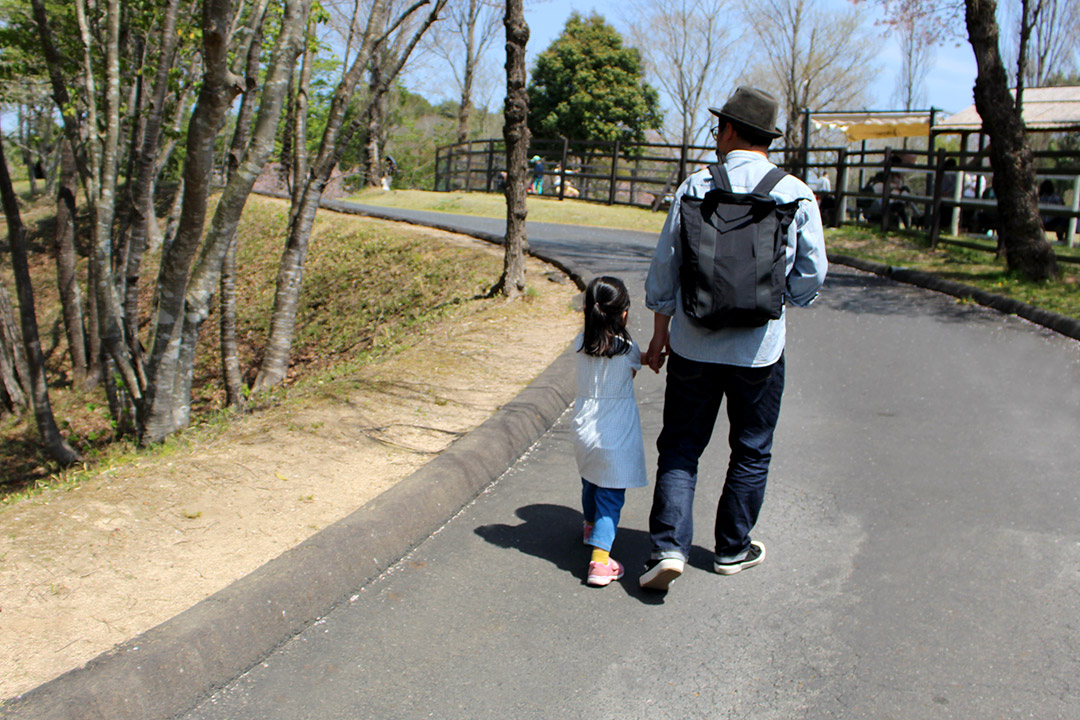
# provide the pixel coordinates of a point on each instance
(586, 532)
(661, 573)
(601, 574)
(755, 555)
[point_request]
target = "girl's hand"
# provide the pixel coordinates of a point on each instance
(657, 353)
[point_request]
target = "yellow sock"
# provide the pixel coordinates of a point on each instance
(600, 556)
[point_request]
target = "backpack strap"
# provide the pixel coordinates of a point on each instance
(769, 181)
(720, 177)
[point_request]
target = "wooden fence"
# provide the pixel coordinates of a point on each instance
(940, 192)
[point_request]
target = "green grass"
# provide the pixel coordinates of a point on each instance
(978, 268)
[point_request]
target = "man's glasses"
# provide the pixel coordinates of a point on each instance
(714, 131)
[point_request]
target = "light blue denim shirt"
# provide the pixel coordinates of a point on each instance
(806, 267)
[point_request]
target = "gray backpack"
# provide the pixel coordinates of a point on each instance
(733, 264)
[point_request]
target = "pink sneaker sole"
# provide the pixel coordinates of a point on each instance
(601, 574)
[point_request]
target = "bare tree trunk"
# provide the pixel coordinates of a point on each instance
(94, 352)
(230, 360)
(1026, 248)
(247, 106)
(286, 155)
(516, 135)
(15, 384)
(376, 116)
(335, 138)
(28, 157)
(142, 198)
(54, 442)
(172, 407)
(465, 106)
(162, 409)
(103, 207)
(299, 156)
(172, 218)
(64, 247)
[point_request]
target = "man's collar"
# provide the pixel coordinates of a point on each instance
(744, 156)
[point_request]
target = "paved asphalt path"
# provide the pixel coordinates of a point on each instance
(922, 524)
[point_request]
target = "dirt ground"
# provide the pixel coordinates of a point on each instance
(84, 568)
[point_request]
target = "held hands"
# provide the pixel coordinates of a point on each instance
(657, 353)
(660, 345)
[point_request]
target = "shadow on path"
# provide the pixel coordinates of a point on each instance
(553, 533)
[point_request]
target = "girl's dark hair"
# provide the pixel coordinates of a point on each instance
(606, 299)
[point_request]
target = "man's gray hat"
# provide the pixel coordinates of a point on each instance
(752, 108)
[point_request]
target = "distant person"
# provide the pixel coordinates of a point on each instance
(607, 427)
(901, 210)
(1056, 224)
(822, 187)
(738, 365)
(389, 169)
(537, 175)
(557, 184)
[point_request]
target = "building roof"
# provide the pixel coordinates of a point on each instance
(874, 124)
(1046, 109)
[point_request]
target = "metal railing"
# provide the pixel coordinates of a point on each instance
(887, 187)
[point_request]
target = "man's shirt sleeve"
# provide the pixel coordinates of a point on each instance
(808, 271)
(663, 279)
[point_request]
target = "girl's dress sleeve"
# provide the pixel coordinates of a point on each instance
(635, 356)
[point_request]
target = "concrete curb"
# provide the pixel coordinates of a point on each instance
(1058, 323)
(170, 668)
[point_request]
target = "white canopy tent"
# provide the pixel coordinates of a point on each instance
(876, 124)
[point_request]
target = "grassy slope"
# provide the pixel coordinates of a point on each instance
(365, 285)
(911, 250)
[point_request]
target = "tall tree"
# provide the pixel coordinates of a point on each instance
(690, 50)
(16, 386)
(142, 189)
(461, 40)
(815, 59)
(1020, 227)
(64, 249)
(54, 442)
(335, 139)
(1049, 31)
(916, 57)
(516, 134)
(587, 85)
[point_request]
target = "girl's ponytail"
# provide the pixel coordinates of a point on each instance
(606, 299)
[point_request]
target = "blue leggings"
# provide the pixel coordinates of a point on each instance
(601, 507)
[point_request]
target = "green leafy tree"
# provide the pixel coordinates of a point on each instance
(588, 86)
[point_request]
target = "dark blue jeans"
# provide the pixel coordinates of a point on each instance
(691, 403)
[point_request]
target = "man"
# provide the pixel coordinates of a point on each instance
(538, 175)
(743, 364)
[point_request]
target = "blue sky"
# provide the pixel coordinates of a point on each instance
(948, 86)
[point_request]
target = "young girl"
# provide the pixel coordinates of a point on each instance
(607, 428)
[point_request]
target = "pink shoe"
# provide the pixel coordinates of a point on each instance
(586, 532)
(601, 574)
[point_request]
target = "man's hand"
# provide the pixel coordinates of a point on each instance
(659, 346)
